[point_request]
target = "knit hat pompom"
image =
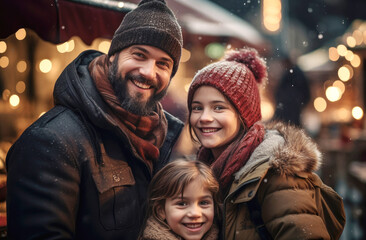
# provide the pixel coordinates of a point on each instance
(237, 77)
(252, 60)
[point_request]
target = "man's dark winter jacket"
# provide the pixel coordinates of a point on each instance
(72, 175)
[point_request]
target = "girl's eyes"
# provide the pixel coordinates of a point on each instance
(181, 203)
(205, 202)
(215, 108)
(196, 108)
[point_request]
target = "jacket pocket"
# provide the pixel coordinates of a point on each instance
(117, 197)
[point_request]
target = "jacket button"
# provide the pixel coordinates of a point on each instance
(116, 178)
(250, 193)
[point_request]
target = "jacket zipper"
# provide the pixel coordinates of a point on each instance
(229, 196)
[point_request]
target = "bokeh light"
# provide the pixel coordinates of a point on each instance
(357, 35)
(20, 87)
(45, 65)
(345, 73)
(3, 46)
(6, 94)
(333, 94)
(342, 50)
(14, 100)
(357, 113)
(351, 41)
(333, 54)
(4, 61)
(349, 55)
(340, 85)
(104, 46)
(272, 15)
(267, 109)
(356, 61)
(21, 34)
(21, 66)
(215, 50)
(66, 46)
(320, 104)
(186, 55)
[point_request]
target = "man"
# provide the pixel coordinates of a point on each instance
(292, 93)
(81, 171)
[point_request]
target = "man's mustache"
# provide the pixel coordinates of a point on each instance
(141, 79)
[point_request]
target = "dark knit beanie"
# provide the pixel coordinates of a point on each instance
(151, 23)
(237, 77)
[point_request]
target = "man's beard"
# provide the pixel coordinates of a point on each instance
(130, 103)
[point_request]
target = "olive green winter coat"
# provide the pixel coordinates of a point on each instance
(280, 172)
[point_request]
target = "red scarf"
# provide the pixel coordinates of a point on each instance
(145, 133)
(234, 157)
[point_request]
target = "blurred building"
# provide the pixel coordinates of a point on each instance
(327, 40)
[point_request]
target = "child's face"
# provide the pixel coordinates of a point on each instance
(191, 216)
(214, 119)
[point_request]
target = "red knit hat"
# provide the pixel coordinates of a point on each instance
(236, 76)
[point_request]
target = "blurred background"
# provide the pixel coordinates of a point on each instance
(315, 51)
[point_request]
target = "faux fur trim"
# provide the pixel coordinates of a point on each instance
(299, 153)
(287, 149)
(156, 231)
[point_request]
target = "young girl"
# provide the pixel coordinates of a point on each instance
(182, 203)
(267, 165)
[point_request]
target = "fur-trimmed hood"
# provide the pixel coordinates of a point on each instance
(287, 148)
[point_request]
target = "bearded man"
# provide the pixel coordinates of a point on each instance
(81, 171)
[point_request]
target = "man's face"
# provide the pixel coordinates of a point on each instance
(140, 76)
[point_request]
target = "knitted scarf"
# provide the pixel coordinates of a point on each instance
(233, 157)
(146, 134)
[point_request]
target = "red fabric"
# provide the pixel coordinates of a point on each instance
(146, 133)
(234, 156)
(58, 21)
(3, 221)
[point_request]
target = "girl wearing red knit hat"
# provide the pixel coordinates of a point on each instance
(264, 170)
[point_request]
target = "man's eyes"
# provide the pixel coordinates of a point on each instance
(139, 54)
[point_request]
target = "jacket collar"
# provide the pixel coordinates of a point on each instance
(286, 149)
